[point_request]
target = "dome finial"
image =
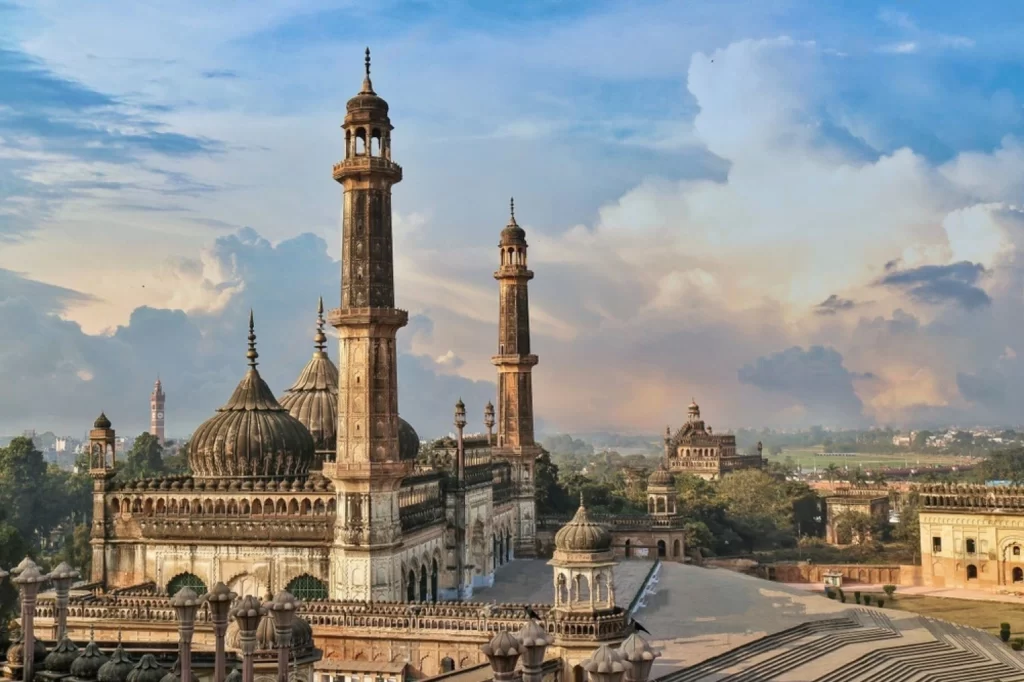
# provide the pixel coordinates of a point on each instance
(581, 499)
(367, 62)
(251, 353)
(319, 339)
(367, 83)
(512, 212)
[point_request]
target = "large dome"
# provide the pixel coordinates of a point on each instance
(582, 535)
(266, 637)
(313, 398)
(661, 477)
(408, 441)
(251, 435)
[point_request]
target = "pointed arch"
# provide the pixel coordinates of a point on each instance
(307, 588)
(186, 580)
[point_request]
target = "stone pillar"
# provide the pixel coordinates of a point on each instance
(248, 614)
(283, 609)
(29, 580)
(638, 656)
(219, 600)
(185, 603)
(605, 665)
(502, 652)
(62, 578)
(533, 641)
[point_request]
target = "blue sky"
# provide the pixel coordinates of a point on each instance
(798, 212)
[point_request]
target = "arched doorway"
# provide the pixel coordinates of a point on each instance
(972, 572)
(675, 548)
(447, 664)
(423, 583)
(508, 546)
(629, 549)
(1018, 574)
(661, 548)
(410, 586)
(433, 585)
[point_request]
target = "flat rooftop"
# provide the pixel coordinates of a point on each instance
(531, 581)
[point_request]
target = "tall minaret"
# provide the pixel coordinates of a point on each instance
(156, 411)
(515, 380)
(367, 471)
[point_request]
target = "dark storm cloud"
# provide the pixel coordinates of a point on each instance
(65, 377)
(938, 284)
(814, 378)
(986, 387)
(832, 305)
(43, 112)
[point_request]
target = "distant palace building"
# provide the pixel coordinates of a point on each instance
(697, 451)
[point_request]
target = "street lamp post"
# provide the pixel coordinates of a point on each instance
(219, 600)
(186, 603)
(62, 578)
(248, 615)
(282, 610)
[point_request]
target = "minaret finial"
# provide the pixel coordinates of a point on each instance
(251, 353)
(367, 62)
(581, 498)
(512, 207)
(367, 83)
(319, 339)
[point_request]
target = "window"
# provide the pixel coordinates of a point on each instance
(186, 580)
(1018, 575)
(936, 545)
(970, 546)
(307, 588)
(972, 572)
(1016, 550)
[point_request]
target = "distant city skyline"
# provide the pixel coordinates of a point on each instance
(796, 213)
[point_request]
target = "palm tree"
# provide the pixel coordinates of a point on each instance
(831, 472)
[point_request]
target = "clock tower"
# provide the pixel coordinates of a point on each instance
(156, 411)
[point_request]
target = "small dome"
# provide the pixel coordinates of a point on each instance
(60, 659)
(605, 659)
(16, 652)
(251, 435)
(661, 477)
(89, 662)
(235, 675)
(266, 638)
(636, 648)
(313, 398)
(513, 235)
(367, 100)
(408, 441)
(175, 674)
(117, 668)
(146, 670)
(582, 535)
(101, 422)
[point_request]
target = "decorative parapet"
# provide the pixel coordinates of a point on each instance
(614, 522)
(861, 491)
(972, 497)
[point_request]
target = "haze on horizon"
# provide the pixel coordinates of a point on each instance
(796, 213)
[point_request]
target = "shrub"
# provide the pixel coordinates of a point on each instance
(842, 595)
(881, 602)
(856, 597)
(888, 589)
(867, 600)
(830, 594)
(1004, 632)
(1017, 644)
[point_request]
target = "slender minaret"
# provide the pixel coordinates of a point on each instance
(102, 467)
(515, 363)
(367, 470)
(156, 411)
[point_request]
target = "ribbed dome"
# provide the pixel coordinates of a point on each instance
(89, 662)
(175, 674)
(513, 235)
(313, 398)
(582, 535)
(117, 668)
(147, 670)
(251, 435)
(101, 422)
(367, 100)
(661, 477)
(16, 652)
(266, 638)
(408, 441)
(60, 659)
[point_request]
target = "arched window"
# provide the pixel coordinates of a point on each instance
(629, 549)
(410, 586)
(186, 580)
(970, 545)
(675, 548)
(972, 572)
(433, 584)
(661, 548)
(423, 583)
(1016, 550)
(307, 588)
(1018, 574)
(447, 665)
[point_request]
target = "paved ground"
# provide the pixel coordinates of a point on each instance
(951, 593)
(530, 581)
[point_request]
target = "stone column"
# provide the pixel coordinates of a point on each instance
(248, 614)
(219, 600)
(533, 641)
(283, 609)
(503, 652)
(29, 580)
(62, 578)
(185, 603)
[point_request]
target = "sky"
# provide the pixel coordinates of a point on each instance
(797, 213)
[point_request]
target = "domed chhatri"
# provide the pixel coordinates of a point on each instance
(313, 398)
(583, 535)
(101, 422)
(513, 235)
(251, 435)
(661, 477)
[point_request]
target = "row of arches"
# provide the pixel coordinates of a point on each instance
(677, 548)
(661, 504)
(502, 541)
(304, 587)
(233, 507)
(421, 586)
(357, 144)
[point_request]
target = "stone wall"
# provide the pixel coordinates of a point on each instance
(864, 574)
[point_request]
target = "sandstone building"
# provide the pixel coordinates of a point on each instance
(696, 450)
(872, 501)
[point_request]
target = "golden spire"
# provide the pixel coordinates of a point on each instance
(319, 339)
(251, 353)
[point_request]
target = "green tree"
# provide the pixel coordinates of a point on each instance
(146, 458)
(1003, 465)
(858, 528)
(551, 496)
(921, 439)
(23, 487)
(832, 472)
(908, 530)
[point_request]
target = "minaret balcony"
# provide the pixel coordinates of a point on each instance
(364, 163)
(388, 317)
(513, 272)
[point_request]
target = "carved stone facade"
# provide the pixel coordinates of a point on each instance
(697, 451)
(871, 501)
(972, 537)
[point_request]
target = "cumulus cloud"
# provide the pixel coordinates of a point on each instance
(938, 284)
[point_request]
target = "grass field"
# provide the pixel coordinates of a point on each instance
(809, 459)
(986, 615)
